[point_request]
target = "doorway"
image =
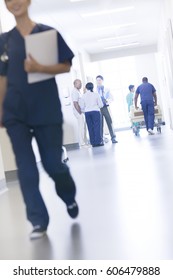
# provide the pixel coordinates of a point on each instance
(118, 74)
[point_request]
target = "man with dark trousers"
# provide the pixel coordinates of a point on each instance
(148, 101)
(105, 96)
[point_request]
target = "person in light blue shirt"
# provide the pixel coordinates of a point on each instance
(148, 100)
(130, 96)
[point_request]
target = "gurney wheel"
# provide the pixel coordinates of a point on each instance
(136, 130)
(65, 160)
(159, 129)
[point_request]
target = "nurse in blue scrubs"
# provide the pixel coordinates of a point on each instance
(34, 110)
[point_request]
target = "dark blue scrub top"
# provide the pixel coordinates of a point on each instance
(146, 91)
(33, 104)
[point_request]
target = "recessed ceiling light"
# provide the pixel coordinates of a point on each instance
(106, 12)
(117, 37)
(76, 0)
(115, 26)
(121, 46)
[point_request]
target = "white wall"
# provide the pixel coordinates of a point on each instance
(6, 150)
(2, 175)
(164, 63)
(6, 155)
(124, 52)
(146, 66)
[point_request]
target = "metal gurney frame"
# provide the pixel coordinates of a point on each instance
(64, 154)
(138, 122)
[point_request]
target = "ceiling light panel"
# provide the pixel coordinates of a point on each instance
(77, 0)
(106, 12)
(117, 37)
(116, 26)
(122, 46)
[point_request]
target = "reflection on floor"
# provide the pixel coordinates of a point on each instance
(125, 193)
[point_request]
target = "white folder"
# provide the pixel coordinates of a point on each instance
(43, 47)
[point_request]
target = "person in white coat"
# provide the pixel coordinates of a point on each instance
(91, 103)
(76, 98)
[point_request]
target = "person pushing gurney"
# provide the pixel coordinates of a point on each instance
(148, 101)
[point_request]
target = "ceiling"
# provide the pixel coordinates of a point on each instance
(102, 26)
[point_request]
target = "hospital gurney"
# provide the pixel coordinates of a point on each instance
(138, 122)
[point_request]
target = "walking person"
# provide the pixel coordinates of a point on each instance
(34, 110)
(105, 96)
(148, 101)
(91, 105)
(76, 98)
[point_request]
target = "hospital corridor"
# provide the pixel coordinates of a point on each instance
(124, 182)
(125, 197)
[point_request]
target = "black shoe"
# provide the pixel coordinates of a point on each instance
(73, 210)
(98, 145)
(114, 141)
(38, 232)
(101, 144)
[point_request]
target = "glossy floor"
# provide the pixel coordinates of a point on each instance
(125, 194)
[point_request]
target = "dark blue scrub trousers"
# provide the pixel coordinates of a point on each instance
(93, 120)
(148, 110)
(49, 140)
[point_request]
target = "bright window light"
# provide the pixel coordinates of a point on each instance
(106, 12)
(121, 46)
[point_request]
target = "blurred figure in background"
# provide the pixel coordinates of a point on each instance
(130, 96)
(76, 98)
(91, 105)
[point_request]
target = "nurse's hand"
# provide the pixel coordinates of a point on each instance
(31, 65)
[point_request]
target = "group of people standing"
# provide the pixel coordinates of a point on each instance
(91, 108)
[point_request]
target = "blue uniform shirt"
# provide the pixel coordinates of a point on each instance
(146, 91)
(37, 103)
